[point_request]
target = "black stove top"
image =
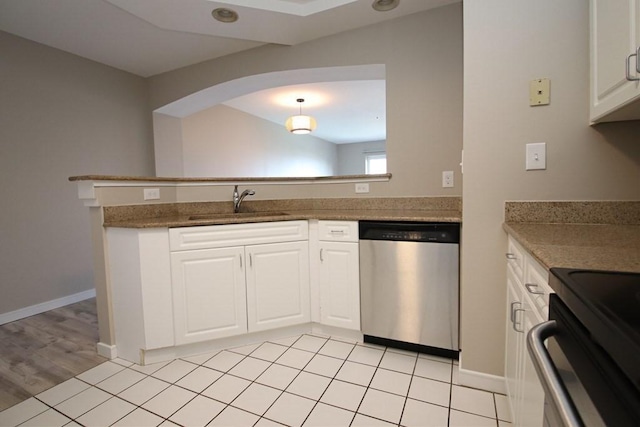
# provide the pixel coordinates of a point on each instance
(608, 305)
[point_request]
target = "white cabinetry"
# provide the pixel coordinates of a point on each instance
(615, 66)
(527, 306)
(209, 294)
(231, 279)
(141, 294)
(277, 285)
(339, 274)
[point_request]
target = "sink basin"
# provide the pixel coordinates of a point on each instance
(201, 217)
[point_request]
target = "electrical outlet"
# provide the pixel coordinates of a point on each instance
(362, 187)
(151, 193)
(447, 179)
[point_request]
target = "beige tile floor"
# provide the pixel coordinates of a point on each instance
(298, 381)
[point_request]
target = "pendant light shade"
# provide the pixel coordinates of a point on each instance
(300, 124)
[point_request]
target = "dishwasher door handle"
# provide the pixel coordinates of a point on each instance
(554, 389)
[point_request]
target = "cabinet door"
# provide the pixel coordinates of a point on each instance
(614, 36)
(277, 285)
(209, 294)
(339, 285)
(531, 411)
(514, 342)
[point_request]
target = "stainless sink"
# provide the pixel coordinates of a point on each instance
(204, 217)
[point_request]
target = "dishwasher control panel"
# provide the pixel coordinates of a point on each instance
(410, 232)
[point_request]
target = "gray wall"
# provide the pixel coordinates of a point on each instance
(351, 157)
(505, 48)
(422, 54)
(224, 142)
(60, 115)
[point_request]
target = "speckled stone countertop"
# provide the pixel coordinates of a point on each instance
(425, 209)
(215, 179)
(350, 215)
(582, 235)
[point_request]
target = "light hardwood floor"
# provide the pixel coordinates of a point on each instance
(41, 351)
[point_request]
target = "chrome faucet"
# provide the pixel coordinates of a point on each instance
(238, 198)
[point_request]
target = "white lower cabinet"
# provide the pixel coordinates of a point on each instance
(514, 341)
(277, 285)
(209, 294)
(532, 398)
(339, 285)
(338, 270)
(224, 286)
(527, 306)
(224, 292)
(183, 286)
(141, 290)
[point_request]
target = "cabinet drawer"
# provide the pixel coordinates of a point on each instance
(536, 283)
(217, 236)
(515, 258)
(338, 231)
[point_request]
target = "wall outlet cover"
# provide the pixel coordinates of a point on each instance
(362, 187)
(151, 193)
(447, 179)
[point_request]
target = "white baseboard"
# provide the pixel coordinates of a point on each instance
(482, 381)
(336, 332)
(147, 357)
(32, 310)
(106, 350)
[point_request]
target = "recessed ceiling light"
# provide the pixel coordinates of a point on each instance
(385, 5)
(223, 14)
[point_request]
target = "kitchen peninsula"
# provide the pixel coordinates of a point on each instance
(138, 248)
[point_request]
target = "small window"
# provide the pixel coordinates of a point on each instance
(375, 163)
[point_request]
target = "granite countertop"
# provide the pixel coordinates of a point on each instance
(223, 180)
(189, 214)
(191, 220)
(613, 247)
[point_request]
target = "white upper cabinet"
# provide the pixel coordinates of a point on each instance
(615, 62)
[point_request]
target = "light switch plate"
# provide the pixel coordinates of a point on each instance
(536, 156)
(539, 92)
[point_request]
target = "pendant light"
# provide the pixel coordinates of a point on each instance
(300, 124)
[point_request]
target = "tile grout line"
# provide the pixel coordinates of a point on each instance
(369, 385)
(244, 357)
(281, 391)
(170, 384)
(328, 385)
(406, 398)
(450, 396)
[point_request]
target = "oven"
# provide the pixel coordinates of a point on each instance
(590, 366)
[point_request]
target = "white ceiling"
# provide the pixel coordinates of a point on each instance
(346, 111)
(148, 37)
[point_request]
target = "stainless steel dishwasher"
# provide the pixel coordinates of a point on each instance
(409, 285)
